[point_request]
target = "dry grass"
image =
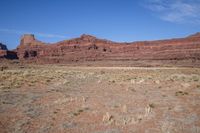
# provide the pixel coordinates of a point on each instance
(86, 99)
(15, 78)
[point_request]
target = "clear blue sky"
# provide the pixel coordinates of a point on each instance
(117, 20)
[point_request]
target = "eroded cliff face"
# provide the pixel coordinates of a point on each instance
(90, 48)
(3, 47)
(6, 54)
(29, 47)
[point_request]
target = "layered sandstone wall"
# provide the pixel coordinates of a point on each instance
(27, 39)
(90, 48)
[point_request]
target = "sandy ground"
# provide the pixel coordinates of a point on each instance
(60, 99)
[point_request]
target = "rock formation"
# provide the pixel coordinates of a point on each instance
(194, 35)
(90, 48)
(29, 40)
(3, 47)
(29, 47)
(5, 53)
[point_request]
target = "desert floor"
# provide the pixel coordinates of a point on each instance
(63, 99)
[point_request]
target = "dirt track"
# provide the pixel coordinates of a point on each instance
(99, 100)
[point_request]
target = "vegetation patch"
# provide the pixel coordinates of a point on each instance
(181, 93)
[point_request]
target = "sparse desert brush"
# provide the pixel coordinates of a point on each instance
(129, 79)
(79, 111)
(108, 118)
(152, 105)
(102, 72)
(5, 87)
(181, 93)
(26, 74)
(2, 68)
(131, 89)
(112, 81)
(17, 85)
(195, 79)
(30, 77)
(186, 78)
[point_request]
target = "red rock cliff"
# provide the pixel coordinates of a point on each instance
(6, 54)
(90, 48)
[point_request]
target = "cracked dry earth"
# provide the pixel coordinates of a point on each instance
(60, 99)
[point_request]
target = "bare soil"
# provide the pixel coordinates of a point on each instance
(66, 99)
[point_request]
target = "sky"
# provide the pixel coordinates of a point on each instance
(117, 20)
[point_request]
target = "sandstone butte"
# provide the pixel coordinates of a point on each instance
(90, 48)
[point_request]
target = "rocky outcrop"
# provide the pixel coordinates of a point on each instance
(90, 48)
(29, 40)
(29, 47)
(6, 54)
(3, 47)
(194, 35)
